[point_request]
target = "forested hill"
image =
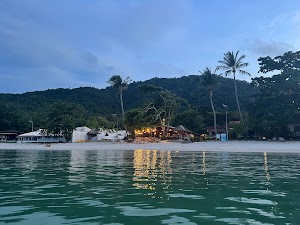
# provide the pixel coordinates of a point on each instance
(94, 101)
(17, 109)
(105, 101)
(189, 88)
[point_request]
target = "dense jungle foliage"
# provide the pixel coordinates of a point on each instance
(269, 104)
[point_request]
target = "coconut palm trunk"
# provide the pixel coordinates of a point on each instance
(168, 123)
(237, 97)
(209, 81)
(121, 85)
(213, 109)
(122, 105)
(232, 63)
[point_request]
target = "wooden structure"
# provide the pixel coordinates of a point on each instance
(9, 136)
(211, 130)
(184, 133)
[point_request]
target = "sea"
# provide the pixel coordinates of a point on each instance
(149, 187)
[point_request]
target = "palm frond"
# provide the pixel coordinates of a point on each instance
(228, 72)
(209, 79)
(232, 62)
(222, 68)
(216, 71)
(240, 59)
(236, 55)
(127, 80)
(241, 65)
(243, 72)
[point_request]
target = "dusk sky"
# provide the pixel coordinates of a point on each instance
(71, 43)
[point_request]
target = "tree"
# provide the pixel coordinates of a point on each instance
(209, 82)
(121, 85)
(134, 119)
(163, 105)
(289, 61)
(191, 119)
(97, 122)
(64, 117)
(278, 102)
(12, 119)
(232, 63)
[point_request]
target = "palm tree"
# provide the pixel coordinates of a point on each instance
(121, 85)
(209, 81)
(231, 63)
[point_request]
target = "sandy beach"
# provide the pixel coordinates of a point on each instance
(231, 146)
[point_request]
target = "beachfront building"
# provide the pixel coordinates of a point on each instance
(80, 134)
(179, 132)
(9, 136)
(294, 130)
(110, 134)
(184, 133)
(40, 136)
(83, 134)
(156, 132)
(211, 130)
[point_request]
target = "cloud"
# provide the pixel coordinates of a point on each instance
(268, 48)
(67, 44)
(83, 43)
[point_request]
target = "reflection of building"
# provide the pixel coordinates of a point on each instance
(266, 166)
(144, 169)
(40, 136)
(86, 134)
(77, 168)
(151, 169)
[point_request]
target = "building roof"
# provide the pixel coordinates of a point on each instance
(39, 133)
(182, 128)
(83, 129)
(91, 132)
(10, 132)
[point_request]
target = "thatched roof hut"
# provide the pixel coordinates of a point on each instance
(183, 132)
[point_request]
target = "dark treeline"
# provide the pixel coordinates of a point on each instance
(268, 104)
(17, 109)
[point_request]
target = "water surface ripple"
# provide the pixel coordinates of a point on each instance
(148, 187)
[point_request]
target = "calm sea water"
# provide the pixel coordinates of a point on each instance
(148, 187)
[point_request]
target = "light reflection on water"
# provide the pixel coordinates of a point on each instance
(148, 187)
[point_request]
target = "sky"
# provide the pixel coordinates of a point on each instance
(46, 44)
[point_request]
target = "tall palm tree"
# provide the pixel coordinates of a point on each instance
(209, 81)
(121, 85)
(232, 63)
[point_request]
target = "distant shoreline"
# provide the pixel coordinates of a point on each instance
(211, 146)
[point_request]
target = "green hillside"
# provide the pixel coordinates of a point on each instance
(17, 109)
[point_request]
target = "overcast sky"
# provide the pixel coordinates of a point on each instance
(71, 43)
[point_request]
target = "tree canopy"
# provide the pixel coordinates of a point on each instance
(278, 102)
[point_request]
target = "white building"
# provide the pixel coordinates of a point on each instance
(40, 136)
(81, 134)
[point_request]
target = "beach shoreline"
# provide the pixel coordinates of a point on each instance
(230, 146)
